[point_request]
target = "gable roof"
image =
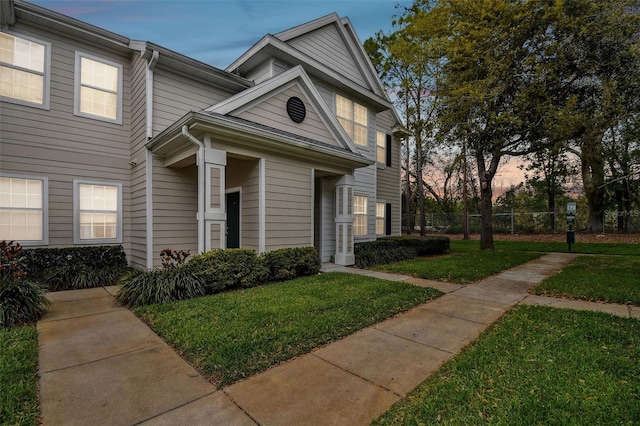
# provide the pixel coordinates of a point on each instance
(278, 46)
(243, 100)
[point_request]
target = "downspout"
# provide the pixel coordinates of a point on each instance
(151, 63)
(201, 190)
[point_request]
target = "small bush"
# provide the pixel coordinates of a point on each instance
(161, 286)
(222, 269)
(394, 249)
(72, 277)
(172, 258)
(21, 301)
(289, 263)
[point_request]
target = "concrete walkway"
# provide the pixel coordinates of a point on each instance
(101, 365)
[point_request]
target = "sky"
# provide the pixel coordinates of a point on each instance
(218, 31)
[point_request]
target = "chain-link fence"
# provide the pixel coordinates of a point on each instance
(518, 222)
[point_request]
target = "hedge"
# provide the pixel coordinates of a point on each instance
(394, 249)
(40, 261)
(215, 271)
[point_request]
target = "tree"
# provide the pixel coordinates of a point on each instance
(596, 74)
(409, 68)
(492, 96)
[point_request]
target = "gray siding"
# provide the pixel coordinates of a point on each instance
(273, 112)
(138, 252)
(288, 204)
(327, 46)
(388, 181)
(261, 73)
(62, 147)
(175, 205)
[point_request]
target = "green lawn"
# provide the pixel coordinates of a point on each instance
(536, 365)
(233, 335)
(578, 247)
(19, 376)
(464, 264)
(613, 279)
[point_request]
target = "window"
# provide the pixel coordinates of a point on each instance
(97, 212)
(359, 215)
(24, 69)
(381, 147)
(98, 88)
(353, 118)
(380, 218)
(23, 209)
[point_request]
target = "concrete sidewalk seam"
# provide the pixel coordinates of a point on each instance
(102, 359)
(86, 315)
(175, 408)
(414, 341)
(237, 404)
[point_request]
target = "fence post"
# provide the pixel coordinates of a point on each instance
(511, 221)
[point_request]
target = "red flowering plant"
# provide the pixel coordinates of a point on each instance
(172, 258)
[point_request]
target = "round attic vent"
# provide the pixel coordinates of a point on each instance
(296, 109)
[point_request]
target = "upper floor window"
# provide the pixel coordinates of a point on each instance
(98, 88)
(24, 69)
(23, 209)
(353, 118)
(381, 147)
(97, 212)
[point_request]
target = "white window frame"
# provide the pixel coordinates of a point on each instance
(360, 215)
(349, 123)
(78, 86)
(44, 209)
(46, 74)
(76, 213)
(382, 218)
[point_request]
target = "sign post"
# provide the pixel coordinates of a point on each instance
(571, 218)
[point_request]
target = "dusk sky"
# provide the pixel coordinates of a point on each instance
(218, 31)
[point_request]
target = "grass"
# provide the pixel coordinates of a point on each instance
(614, 279)
(230, 336)
(466, 263)
(536, 365)
(19, 376)
(557, 247)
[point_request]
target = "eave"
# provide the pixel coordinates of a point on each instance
(247, 135)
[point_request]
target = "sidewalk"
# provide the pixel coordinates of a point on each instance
(101, 365)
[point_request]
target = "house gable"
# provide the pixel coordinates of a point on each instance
(266, 104)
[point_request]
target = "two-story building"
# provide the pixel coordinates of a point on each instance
(107, 140)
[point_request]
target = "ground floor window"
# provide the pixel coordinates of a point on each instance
(97, 212)
(23, 209)
(380, 218)
(359, 215)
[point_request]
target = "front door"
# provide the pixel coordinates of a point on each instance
(233, 220)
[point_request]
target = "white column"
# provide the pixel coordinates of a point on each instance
(344, 221)
(215, 214)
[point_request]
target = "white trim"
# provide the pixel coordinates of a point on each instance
(237, 189)
(76, 213)
(149, 162)
(46, 75)
(45, 208)
(313, 206)
(76, 84)
(262, 205)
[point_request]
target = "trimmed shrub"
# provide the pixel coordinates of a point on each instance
(395, 249)
(161, 286)
(72, 277)
(221, 269)
(39, 261)
(289, 263)
(21, 301)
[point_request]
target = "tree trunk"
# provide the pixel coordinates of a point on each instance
(420, 191)
(408, 196)
(592, 167)
(486, 213)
